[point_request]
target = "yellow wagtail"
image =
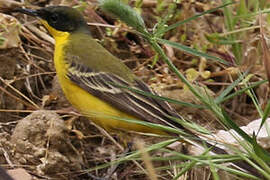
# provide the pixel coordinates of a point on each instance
(90, 76)
(91, 79)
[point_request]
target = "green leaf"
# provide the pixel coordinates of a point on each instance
(125, 13)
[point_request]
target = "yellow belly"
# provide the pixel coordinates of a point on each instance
(97, 110)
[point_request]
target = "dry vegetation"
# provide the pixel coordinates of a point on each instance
(28, 84)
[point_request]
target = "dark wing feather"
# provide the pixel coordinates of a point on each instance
(106, 86)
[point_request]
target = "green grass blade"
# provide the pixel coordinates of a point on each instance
(229, 22)
(241, 91)
(252, 14)
(192, 51)
(163, 128)
(191, 164)
(201, 162)
(213, 170)
(173, 26)
(230, 88)
(261, 152)
(190, 125)
(216, 38)
(231, 125)
(134, 155)
(185, 169)
(265, 115)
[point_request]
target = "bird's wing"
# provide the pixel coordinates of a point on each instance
(107, 86)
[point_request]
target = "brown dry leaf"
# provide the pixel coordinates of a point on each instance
(9, 33)
(266, 54)
(47, 99)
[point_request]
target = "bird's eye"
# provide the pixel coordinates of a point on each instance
(54, 18)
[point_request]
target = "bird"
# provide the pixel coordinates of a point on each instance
(92, 80)
(90, 76)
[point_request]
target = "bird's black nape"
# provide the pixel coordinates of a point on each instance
(61, 18)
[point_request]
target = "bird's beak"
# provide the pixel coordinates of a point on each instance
(27, 11)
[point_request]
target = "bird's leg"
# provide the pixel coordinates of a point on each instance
(69, 122)
(116, 167)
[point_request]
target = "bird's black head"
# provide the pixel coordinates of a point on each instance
(61, 18)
